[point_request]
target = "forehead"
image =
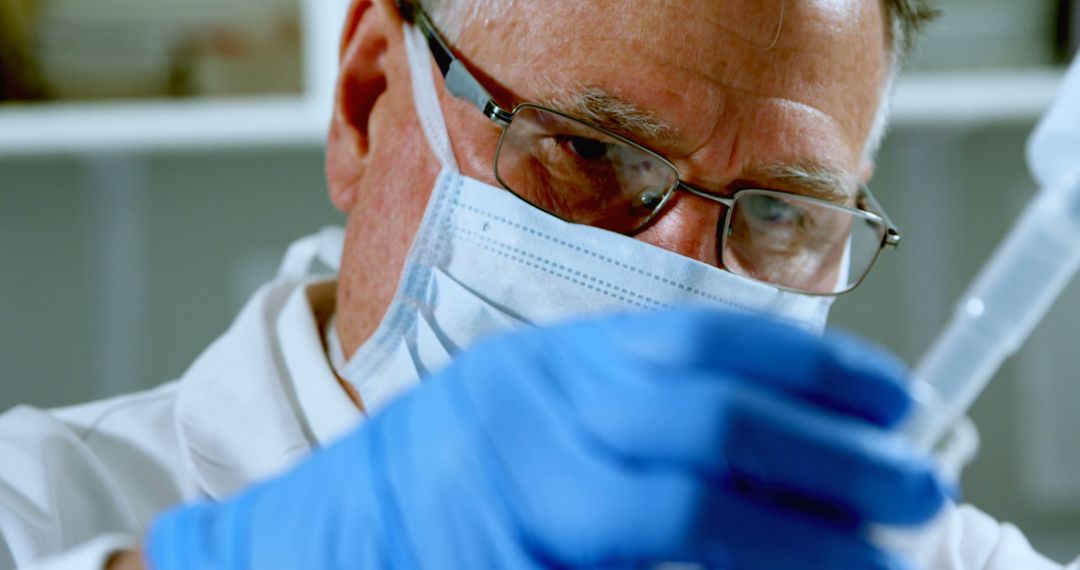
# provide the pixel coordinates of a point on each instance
(803, 76)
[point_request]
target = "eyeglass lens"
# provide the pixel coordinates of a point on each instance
(579, 173)
(799, 243)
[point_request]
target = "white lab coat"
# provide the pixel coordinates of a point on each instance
(79, 483)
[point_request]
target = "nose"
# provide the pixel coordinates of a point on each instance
(688, 225)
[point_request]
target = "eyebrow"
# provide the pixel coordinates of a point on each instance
(816, 179)
(611, 112)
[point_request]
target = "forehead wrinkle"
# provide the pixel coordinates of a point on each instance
(699, 116)
(760, 38)
(727, 88)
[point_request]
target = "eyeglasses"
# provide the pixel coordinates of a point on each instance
(587, 174)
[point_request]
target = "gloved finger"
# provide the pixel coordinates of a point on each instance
(720, 427)
(838, 371)
(793, 450)
(735, 532)
(677, 517)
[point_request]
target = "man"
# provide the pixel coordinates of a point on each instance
(707, 154)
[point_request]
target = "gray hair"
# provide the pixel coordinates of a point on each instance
(907, 18)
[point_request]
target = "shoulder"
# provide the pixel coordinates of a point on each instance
(140, 415)
(72, 474)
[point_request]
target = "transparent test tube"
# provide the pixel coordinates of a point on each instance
(991, 321)
(1019, 283)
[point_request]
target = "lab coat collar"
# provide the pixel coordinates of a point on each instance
(263, 395)
(326, 407)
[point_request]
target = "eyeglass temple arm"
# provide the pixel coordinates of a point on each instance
(892, 233)
(459, 82)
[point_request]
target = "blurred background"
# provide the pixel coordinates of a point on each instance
(156, 157)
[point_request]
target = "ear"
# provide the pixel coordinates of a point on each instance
(369, 28)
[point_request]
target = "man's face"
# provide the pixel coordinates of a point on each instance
(776, 94)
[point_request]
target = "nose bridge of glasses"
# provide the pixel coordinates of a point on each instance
(723, 200)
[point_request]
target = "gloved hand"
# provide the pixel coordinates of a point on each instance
(726, 439)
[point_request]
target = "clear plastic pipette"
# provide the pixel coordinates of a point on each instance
(1019, 283)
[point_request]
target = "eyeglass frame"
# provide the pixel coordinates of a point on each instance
(461, 83)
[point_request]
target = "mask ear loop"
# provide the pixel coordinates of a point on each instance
(426, 98)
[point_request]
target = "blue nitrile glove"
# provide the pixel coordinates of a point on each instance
(690, 435)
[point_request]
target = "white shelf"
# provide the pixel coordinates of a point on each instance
(161, 126)
(167, 125)
(974, 98)
(922, 100)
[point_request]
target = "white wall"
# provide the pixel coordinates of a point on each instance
(115, 272)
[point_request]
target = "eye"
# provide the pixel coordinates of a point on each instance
(586, 148)
(773, 211)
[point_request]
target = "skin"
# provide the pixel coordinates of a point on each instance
(735, 102)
